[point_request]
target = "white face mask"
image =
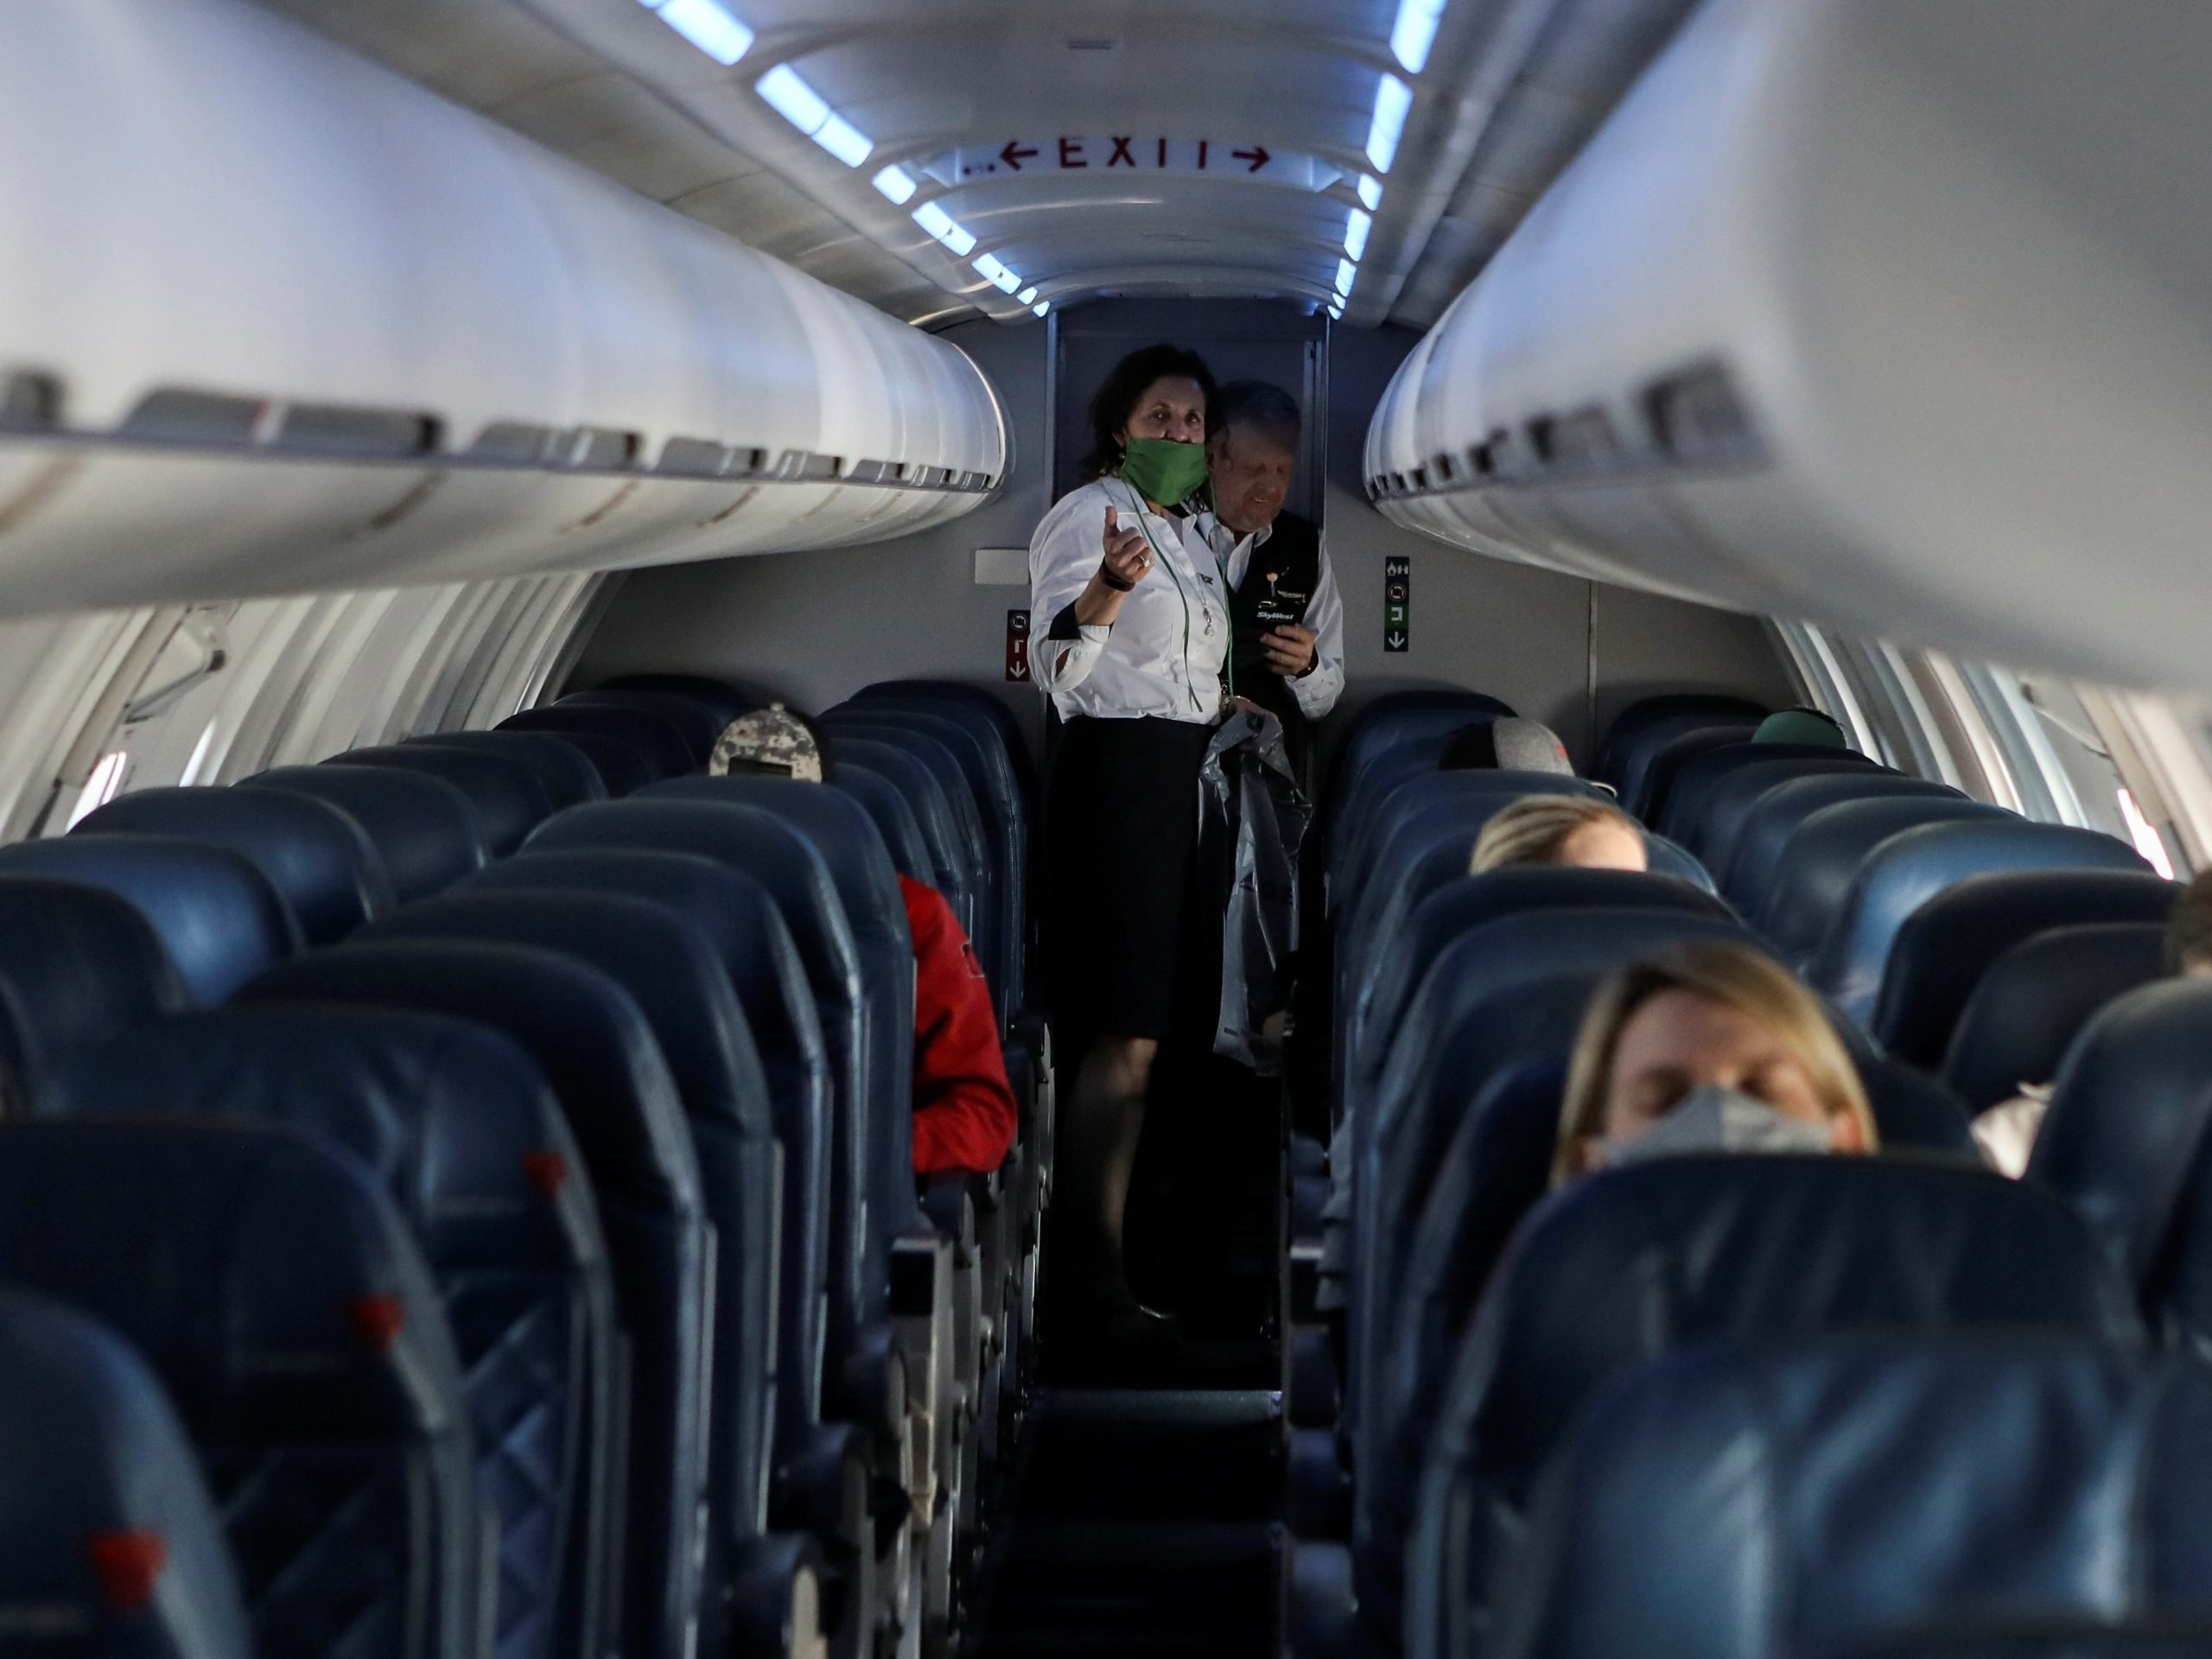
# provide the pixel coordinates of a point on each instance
(1711, 1119)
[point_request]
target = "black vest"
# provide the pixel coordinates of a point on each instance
(1280, 577)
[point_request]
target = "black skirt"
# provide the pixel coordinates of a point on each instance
(1132, 939)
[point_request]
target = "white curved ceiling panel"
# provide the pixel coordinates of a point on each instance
(1883, 314)
(349, 333)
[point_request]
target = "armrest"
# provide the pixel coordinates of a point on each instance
(775, 1598)
(1321, 1613)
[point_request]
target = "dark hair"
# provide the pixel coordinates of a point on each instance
(2188, 930)
(1259, 407)
(1116, 400)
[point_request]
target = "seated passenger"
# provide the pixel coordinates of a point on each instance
(1707, 1048)
(964, 1112)
(1506, 744)
(1808, 726)
(2006, 1132)
(1573, 829)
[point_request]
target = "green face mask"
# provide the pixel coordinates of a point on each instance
(1162, 470)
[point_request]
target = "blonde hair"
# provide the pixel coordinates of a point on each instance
(1535, 829)
(1732, 975)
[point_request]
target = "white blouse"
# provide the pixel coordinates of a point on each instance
(1163, 656)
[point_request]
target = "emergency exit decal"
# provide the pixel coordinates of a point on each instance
(1017, 645)
(1103, 155)
(1397, 603)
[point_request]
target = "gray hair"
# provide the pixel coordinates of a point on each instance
(1261, 407)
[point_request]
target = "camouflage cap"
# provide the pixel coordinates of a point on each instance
(771, 737)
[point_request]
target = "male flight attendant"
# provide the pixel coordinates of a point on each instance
(1287, 617)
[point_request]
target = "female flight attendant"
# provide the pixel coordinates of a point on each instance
(1136, 632)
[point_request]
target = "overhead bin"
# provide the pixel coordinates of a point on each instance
(1889, 315)
(275, 319)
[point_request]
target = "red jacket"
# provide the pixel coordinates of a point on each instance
(964, 1115)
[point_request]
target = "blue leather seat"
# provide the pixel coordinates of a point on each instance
(2036, 998)
(1622, 1267)
(1012, 738)
(273, 1288)
(1945, 947)
(1905, 870)
(313, 853)
(564, 770)
(509, 798)
(216, 914)
(1664, 857)
(1733, 803)
(726, 701)
(737, 919)
(108, 1536)
(677, 981)
(1751, 874)
(664, 743)
(954, 853)
(2125, 1142)
(1649, 762)
(1820, 868)
(786, 863)
(2088, 1638)
(700, 724)
(1722, 781)
(1629, 726)
(474, 1151)
(1901, 1488)
(997, 918)
(423, 829)
(76, 963)
(598, 1053)
(895, 820)
(623, 768)
(1384, 720)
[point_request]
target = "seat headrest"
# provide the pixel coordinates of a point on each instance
(977, 741)
(893, 819)
(562, 767)
(726, 701)
(76, 963)
(1463, 799)
(1641, 715)
(508, 798)
(1906, 870)
(700, 724)
(667, 966)
(1808, 1499)
(583, 1030)
(2035, 998)
(622, 766)
(215, 913)
(1665, 858)
(1736, 771)
(1656, 760)
(315, 854)
(1943, 948)
(837, 826)
(1820, 865)
(424, 829)
(265, 1274)
(106, 1525)
(454, 1117)
(663, 743)
(1912, 1111)
(1754, 868)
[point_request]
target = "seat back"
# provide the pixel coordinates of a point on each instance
(1619, 1268)
(1752, 871)
(313, 853)
(959, 871)
(895, 820)
(598, 1054)
(979, 700)
(1639, 717)
(270, 1285)
(726, 701)
(1943, 950)
(2036, 998)
(1902, 1488)
(1904, 871)
(2088, 1638)
(473, 1150)
(1723, 780)
(216, 915)
(564, 771)
(1649, 763)
(106, 1527)
(1381, 722)
(1820, 868)
(76, 963)
(422, 827)
(664, 745)
(509, 798)
(701, 725)
(739, 920)
(1464, 798)
(623, 768)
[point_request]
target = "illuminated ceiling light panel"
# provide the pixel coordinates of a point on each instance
(1370, 193)
(942, 225)
(1336, 311)
(1356, 230)
(1394, 101)
(707, 26)
(806, 109)
(844, 140)
(997, 275)
(897, 183)
(1027, 296)
(1415, 32)
(1041, 307)
(1346, 273)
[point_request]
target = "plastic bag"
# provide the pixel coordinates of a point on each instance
(1257, 819)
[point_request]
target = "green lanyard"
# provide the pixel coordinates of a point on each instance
(1165, 563)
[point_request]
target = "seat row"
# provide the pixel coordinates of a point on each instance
(497, 1145)
(1481, 1318)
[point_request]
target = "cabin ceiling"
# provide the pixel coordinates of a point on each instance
(954, 95)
